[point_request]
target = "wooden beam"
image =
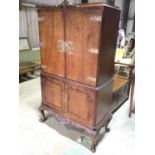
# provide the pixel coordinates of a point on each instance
(84, 1)
(126, 6)
(20, 4)
(133, 29)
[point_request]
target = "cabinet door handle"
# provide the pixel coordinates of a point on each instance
(61, 46)
(69, 47)
(65, 47)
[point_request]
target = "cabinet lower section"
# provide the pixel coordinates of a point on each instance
(77, 104)
(88, 106)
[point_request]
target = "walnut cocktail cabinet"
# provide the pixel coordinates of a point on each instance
(77, 54)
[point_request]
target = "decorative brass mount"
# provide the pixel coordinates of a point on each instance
(65, 47)
(65, 3)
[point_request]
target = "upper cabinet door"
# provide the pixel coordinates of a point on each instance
(51, 30)
(82, 40)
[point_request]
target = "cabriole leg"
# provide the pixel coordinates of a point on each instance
(106, 126)
(43, 115)
(107, 129)
(94, 141)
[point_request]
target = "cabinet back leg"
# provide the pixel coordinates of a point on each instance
(107, 129)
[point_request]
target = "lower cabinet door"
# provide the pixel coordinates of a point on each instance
(53, 93)
(80, 104)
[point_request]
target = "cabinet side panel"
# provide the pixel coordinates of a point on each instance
(104, 97)
(51, 31)
(109, 34)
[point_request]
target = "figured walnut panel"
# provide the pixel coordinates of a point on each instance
(51, 30)
(53, 93)
(83, 31)
(80, 104)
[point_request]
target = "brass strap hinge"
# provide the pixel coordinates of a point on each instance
(43, 66)
(40, 19)
(93, 79)
(96, 18)
(94, 51)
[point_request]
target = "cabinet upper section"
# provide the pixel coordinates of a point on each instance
(78, 43)
(81, 5)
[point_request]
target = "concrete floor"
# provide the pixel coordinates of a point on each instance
(52, 138)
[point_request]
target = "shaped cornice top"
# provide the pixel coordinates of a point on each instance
(65, 3)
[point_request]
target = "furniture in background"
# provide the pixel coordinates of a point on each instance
(29, 59)
(78, 45)
(121, 87)
(24, 44)
(132, 106)
(26, 67)
(124, 67)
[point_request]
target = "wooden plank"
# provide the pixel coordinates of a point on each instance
(23, 29)
(32, 23)
(118, 83)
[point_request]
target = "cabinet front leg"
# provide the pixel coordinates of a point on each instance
(94, 143)
(43, 119)
(107, 129)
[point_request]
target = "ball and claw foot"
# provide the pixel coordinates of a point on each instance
(93, 148)
(107, 129)
(94, 142)
(43, 119)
